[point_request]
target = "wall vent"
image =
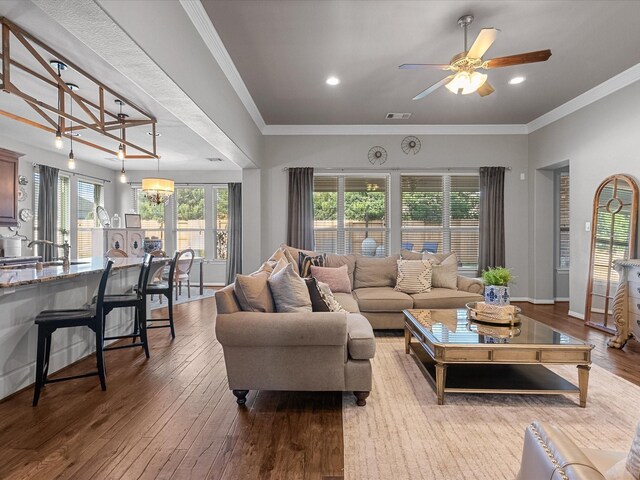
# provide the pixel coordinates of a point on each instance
(398, 116)
(214, 159)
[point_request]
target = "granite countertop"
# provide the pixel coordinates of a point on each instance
(14, 277)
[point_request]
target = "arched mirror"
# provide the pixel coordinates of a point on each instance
(613, 237)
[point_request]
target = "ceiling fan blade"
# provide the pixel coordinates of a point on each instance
(415, 66)
(433, 87)
(484, 40)
(485, 89)
(519, 59)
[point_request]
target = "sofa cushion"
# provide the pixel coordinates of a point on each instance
(414, 276)
(444, 298)
(375, 272)
(305, 261)
(290, 292)
(382, 299)
(347, 301)
(436, 258)
(334, 260)
(410, 255)
(253, 293)
(361, 342)
(317, 302)
(445, 274)
(336, 278)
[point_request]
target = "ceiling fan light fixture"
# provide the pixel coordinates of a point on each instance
(333, 81)
(466, 83)
(516, 80)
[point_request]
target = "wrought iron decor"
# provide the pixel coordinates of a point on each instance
(411, 144)
(377, 155)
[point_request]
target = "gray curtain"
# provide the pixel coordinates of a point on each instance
(491, 218)
(234, 232)
(300, 209)
(48, 211)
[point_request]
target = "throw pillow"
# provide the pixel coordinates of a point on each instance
(305, 261)
(280, 265)
(253, 292)
(329, 299)
(317, 302)
(436, 258)
(336, 278)
(334, 260)
(289, 291)
(414, 276)
(445, 274)
(633, 459)
(289, 258)
(410, 255)
(375, 272)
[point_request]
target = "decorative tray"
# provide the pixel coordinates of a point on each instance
(496, 314)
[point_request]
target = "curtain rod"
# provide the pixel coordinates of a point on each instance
(75, 174)
(397, 169)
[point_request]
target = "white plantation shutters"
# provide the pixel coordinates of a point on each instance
(89, 197)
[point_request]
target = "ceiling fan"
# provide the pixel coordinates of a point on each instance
(465, 78)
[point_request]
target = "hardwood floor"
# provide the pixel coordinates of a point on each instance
(172, 416)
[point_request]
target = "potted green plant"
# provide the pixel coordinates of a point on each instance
(496, 290)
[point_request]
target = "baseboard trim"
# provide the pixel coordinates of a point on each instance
(562, 299)
(576, 315)
(535, 301)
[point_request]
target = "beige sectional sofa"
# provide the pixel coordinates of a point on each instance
(323, 351)
(373, 295)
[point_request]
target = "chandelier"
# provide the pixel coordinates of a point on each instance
(156, 189)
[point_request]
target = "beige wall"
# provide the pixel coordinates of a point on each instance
(438, 151)
(599, 140)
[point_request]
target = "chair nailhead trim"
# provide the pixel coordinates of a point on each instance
(548, 451)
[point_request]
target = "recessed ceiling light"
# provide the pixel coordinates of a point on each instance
(151, 134)
(516, 80)
(333, 81)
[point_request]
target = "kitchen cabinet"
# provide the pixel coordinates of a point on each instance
(8, 188)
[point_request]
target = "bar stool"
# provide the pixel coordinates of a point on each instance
(49, 321)
(136, 300)
(166, 289)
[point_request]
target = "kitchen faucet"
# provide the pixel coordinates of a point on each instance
(66, 262)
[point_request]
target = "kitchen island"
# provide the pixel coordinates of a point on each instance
(25, 291)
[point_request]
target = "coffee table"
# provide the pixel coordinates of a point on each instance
(458, 355)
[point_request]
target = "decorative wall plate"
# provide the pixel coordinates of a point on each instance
(22, 194)
(377, 155)
(26, 214)
(22, 180)
(411, 144)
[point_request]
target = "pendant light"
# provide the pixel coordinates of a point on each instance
(71, 163)
(60, 66)
(123, 174)
(121, 117)
(156, 189)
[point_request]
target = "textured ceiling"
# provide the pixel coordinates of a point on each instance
(284, 51)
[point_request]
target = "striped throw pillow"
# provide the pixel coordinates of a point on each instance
(306, 261)
(414, 276)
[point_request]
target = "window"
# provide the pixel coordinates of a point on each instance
(220, 221)
(351, 214)
(89, 197)
(440, 214)
(190, 219)
(64, 204)
(151, 215)
(563, 218)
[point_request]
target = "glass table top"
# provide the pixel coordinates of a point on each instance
(455, 327)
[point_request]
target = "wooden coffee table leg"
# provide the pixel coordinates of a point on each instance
(407, 339)
(583, 383)
(441, 376)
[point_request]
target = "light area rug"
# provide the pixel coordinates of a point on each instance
(403, 434)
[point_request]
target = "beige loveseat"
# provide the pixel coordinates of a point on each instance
(373, 280)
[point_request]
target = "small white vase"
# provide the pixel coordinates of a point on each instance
(496, 295)
(369, 247)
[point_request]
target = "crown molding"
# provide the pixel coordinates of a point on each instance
(395, 130)
(200, 19)
(598, 92)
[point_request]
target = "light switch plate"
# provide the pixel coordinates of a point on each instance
(522, 177)
(587, 227)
